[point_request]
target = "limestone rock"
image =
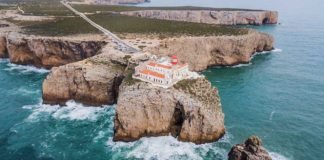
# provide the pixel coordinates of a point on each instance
(222, 17)
(3, 47)
(190, 110)
(251, 150)
(47, 53)
(203, 52)
(94, 81)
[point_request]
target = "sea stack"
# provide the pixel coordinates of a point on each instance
(251, 150)
(190, 110)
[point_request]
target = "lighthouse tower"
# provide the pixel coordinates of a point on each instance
(174, 60)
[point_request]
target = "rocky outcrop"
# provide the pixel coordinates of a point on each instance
(251, 150)
(47, 52)
(222, 17)
(94, 81)
(3, 47)
(203, 52)
(190, 111)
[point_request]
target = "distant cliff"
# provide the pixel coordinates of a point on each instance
(190, 111)
(222, 17)
(46, 52)
(203, 52)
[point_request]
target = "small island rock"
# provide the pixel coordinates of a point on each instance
(251, 150)
(190, 110)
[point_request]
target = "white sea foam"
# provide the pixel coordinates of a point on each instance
(271, 115)
(72, 111)
(168, 147)
(4, 60)
(277, 156)
(25, 69)
(241, 65)
(25, 91)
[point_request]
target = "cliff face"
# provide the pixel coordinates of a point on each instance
(3, 47)
(93, 81)
(251, 150)
(210, 16)
(47, 53)
(202, 52)
(190, 110)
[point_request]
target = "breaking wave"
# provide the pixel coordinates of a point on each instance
(25, 69)
(168, 147)
(241, 65)
(72, 111)
(277, 156)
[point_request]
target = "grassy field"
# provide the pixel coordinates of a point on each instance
(7, 7)
(60, 27)
(124, 24)
(44, 8)
(127, 24)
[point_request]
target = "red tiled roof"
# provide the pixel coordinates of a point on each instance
(152, 73)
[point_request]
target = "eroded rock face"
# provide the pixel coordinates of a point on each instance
(190, 110)
(47, 53)
(230, 17)
(94, 81)
(251, 150)
(3, 47)
(203, 52)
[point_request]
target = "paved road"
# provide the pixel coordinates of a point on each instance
(122, 46)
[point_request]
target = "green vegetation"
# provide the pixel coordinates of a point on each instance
(110, 8)
(4, 7)
(59, 27)
(44, 8)
(186, 85)
(128, 24)
(129, 80)
(124, 24)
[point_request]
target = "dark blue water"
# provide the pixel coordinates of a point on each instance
(279, 97)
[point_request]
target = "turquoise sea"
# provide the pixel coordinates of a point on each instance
(279, 96)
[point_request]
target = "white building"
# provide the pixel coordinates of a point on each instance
(163, 72)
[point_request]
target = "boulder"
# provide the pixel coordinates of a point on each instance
(251, 150)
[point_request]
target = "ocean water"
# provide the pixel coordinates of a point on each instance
(279, 96)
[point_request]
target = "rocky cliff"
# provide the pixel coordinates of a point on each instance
(3, 47)
(251, 150)
(93, 81)
(46, 52)
(222, 17)
(203, 52)
(191, 111)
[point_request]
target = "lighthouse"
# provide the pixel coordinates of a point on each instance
(174, 60)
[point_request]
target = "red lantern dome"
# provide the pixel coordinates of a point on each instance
(174, 60)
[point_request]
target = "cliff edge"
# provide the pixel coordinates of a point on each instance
(213, 16)
(46, 52)
(203, 52)
(190, 110)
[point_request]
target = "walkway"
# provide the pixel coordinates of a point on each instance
(122, 46)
